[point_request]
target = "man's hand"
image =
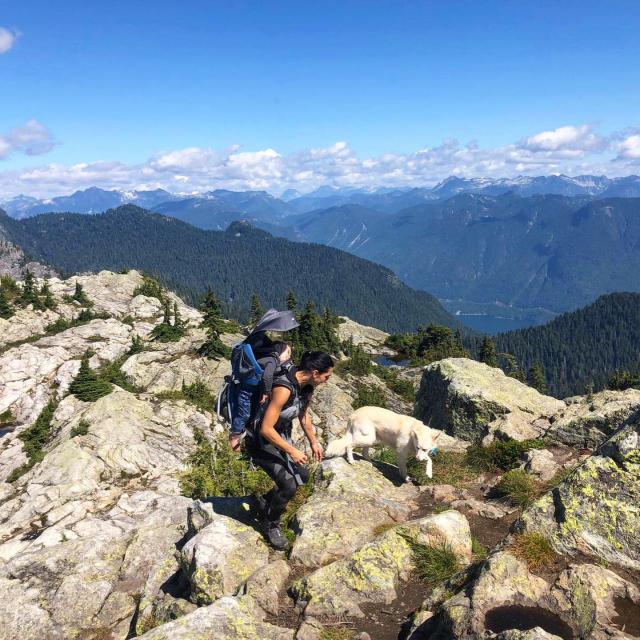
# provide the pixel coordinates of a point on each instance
(317, 450)
(264, 398)
(298, 457)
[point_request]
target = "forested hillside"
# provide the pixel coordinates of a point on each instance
(582, 347)
(235, 263)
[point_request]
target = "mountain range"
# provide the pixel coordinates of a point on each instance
(235, 263)
(200, 209)
(501, 253)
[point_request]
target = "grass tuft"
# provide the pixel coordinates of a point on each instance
(534, 549)
(501, 454)
(434, 563)
(518, 487)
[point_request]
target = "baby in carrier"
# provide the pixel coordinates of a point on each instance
(273, 357)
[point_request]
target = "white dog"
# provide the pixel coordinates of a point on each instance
(408, 436)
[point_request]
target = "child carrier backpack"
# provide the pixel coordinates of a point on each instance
(241, 386)
(237, 400)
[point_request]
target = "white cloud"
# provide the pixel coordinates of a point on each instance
(629, 148)
(572, 150)
(8, 38)
(575, 140)
(32, 138)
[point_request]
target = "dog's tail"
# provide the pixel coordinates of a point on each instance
(338, 447)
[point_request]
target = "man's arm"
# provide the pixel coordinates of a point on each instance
(310, 432)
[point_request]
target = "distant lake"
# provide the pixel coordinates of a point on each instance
(388, 361)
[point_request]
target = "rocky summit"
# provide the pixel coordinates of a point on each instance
(528, 530)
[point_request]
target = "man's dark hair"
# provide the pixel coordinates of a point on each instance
(316, 361)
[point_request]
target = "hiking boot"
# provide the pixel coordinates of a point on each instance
(261, 508)
(275, 537)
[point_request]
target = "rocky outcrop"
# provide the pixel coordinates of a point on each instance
(596, 510)
(579, 603)
(372, 573)
(470, 400)
(227, 619)
(369, 338)
(13, 261)
(221, 556)
(587, 421)
(350, 503)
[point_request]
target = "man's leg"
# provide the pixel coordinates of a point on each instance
(273, 462)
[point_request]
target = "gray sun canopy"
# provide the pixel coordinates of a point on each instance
(274, 320)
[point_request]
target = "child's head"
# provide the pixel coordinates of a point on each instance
(283, 350)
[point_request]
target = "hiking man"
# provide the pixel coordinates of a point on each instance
(269, 443)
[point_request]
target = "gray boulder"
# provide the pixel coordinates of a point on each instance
(470, 400)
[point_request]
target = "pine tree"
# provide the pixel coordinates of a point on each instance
(166, 331)
(28, 294)
(328, 325)
(256, 309)
(212, 317)
(310, 331)
(87, 385)
(6, 310)
(215, 324)
(488, 352)
(48, 302)
(80, 296)
(511, 367)
(536, 378)
(292, 302)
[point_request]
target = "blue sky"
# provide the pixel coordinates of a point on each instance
(204, 94)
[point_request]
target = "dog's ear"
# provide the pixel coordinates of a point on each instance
(434, 438)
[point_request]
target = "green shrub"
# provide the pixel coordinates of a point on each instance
(197, 394)
(434, 563)
(150, 287)
(500, 454)
(399, 386)
(81, 429)
(35, 438)
(88, 385)
(386, 455)
(358, 363)
(302, 494)
(534, 549)
(112, 373)
(478, 550)
(518, 487)
(215, 470)
(137, 346)
(6, 418)
(368, 396)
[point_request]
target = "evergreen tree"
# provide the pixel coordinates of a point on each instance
(328, 325)
(436, 343)
(511, 367)
(48, 301)
(87, 385)
(215, 324)
(166, 331)
(6, 310)
(292, 302)
(80, 296)
(536, 378)
(488, 352)
(212, 317)
(28, 294)
(310, 332)
(256, 309)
